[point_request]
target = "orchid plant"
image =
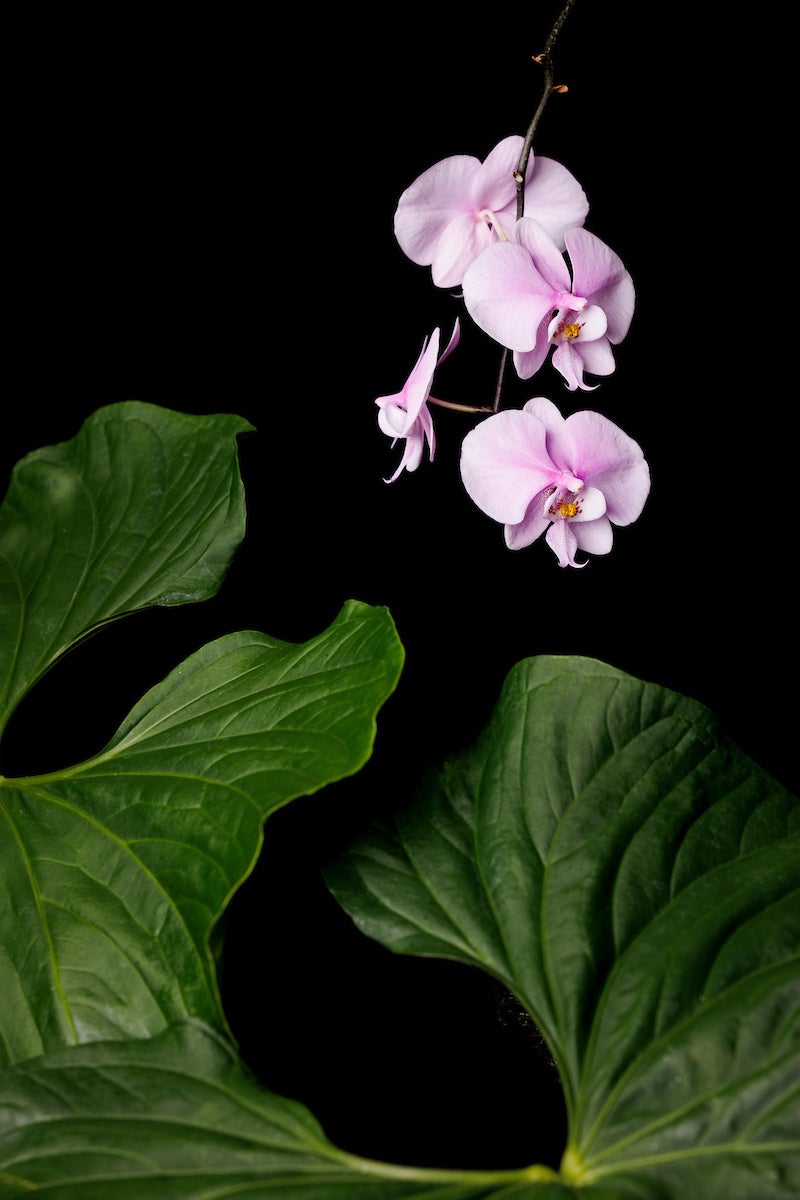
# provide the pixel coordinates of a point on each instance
(510, 232)
(603, 850)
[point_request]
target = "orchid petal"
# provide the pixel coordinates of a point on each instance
(549, 260)
(597, 357)
(415, 390)
(591, 505)
(425, 421)
(594, 264)
(494, 185)
(618, 301)
(555, 199)
(568, 363)
(455, 338)
(593, 324)
(504, 223)
(506, 295)
(532, 525)
(412, 455)
(405, 414)
(595, 537)
(600, 273)
(504, 464)
(433, 200)
(560, 444)
(562, 541)
(392, 420)
(528, 362)
(608, 459)
(461, 242)
(418, 384)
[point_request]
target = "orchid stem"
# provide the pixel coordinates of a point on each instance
(546, 62)
(467, 408)
(499, 388)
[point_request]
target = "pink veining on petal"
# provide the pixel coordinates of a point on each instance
(457, 207)
(504, 464)
(575, 477)
(507, 296)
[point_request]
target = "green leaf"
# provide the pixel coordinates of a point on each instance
(177, 1117)
(144, 506)
(113, 873)
(633, 878)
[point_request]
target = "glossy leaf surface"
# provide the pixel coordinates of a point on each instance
(177, 1116)
(114, 872)
(603, 850)
(633, 878)
(143, 506)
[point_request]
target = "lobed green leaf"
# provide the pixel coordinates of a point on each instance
(603, 850)
(114, 872)
(144, 506)
(177, 1117)
(634, 879)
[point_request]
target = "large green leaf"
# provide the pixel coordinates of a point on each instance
(177, 1117)
(113, 873)
(144, 506)
(634, 879)
(603, 850)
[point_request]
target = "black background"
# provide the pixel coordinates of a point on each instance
(201, 218)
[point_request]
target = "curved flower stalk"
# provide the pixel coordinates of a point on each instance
(460, 206)
(520, 292)
(571, 478)
(406, 414)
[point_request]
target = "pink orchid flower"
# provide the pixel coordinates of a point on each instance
(521, 294)
(406, 414)
(572, 477)
(458, 207)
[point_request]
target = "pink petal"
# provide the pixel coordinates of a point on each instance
(418, 384)
(618, 301)
(597, 357)
(594, 264)
(549, 260)
(560, 446)
(555, 199)
(593, 323)
(433, 200)
(494, 186)
(412, 454)
(598, 273)
(532, 525)
(506, 296)
(528, 362)
(595, 537)
(414, 393)
(592, 505)
(504, 464)
(392, 421)
(606, 458)
(562, 541)
(568, 363)
(455, 338)
(426, 425)
(460, 244)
